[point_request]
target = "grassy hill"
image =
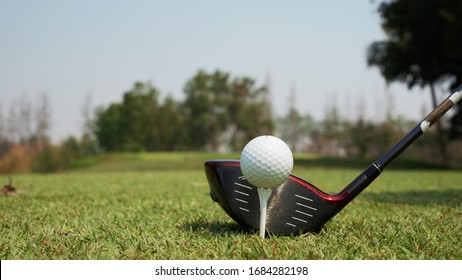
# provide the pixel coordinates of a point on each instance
(116, 162)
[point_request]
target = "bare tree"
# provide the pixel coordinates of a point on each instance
(294, 119)
(4, 139)
(24, 120)
(87, 114)
(43, 112)
(12, 122)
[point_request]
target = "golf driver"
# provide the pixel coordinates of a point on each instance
(297, 206)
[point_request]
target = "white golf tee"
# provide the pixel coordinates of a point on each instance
(263, 194)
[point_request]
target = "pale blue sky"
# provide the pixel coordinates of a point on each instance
(69, 49)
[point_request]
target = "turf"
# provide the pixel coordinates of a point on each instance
(167, 214)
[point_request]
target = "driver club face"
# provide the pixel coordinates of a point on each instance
(295, 207)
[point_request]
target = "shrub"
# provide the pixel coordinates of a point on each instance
(17, 160)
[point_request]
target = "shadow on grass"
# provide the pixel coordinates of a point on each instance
(228, 228)
(451, 197)
(215, 227)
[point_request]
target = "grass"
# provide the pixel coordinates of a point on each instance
(155, 210)
(148, 161)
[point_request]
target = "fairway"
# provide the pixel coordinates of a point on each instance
(148, 212)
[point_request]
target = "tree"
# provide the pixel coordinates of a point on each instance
(250, 112)
(69, 150)
(131, 125)
(294, 128)
(140, 113)
(107, 128)
(422, 44)
(205, 108)
(335, 132)
(140, 122)
(5, 141)
(42, 122)
(218, 105)
(88, 144)
(171, 124)
(24, 119)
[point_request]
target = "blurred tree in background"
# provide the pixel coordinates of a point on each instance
(223, 110)
(422, 48)
(138, 118)
(171, 123)
(250, 112)
(107, 128)
(217, 111)
(25, 144)
(205, 109)
(297, 130)
(139, 123)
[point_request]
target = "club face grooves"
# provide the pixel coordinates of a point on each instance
(293, 208)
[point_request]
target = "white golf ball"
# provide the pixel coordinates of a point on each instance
(266, 162)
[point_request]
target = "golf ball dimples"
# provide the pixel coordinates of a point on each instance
(266, 161)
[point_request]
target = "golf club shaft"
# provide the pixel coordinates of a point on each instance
(376, 168)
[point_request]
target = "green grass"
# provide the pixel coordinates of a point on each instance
(101, 213)
(148, 161)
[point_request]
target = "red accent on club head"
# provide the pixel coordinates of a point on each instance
(219, 163)
(335, 198)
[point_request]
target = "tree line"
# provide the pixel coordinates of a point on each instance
(25, 143)
(219, 112)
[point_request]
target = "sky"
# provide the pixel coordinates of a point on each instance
(72, 50)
